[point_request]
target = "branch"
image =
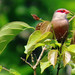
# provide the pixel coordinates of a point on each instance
(5, 69)
(72, 18)
(38, 60)
(27, 62)
(58, 68)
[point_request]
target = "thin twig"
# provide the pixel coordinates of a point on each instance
(32, 58)
(38, 60)
(27, 62)
(60, 50)
(72, 18)
(5, 69)
(34, 71)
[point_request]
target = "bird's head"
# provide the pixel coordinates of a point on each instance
(60, 14)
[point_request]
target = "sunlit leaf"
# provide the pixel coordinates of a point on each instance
(64, 48)
(66, 57)
(14, 72)
(73, 37)
(70, 15)
(72, 64)
(0, 68)
(52, 43)
(71, 48)
(44, 63)
(73, 24)
(34, 47)
(36, 37)
(52, 57)
(72, 57)
(68, 42)
(73, 71)
(9, 31)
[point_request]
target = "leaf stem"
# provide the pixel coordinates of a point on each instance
(72, 18)
(38, 60)
(5, 69)
(27, 62)
(60, 50)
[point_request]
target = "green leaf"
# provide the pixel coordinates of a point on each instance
(14, 72)
(73, 71)
(64, 48)
(68, 42)
(52, 43)
(72, 64)
(72, 57)
(52, 57)
(70, 15)
(66, 57)
(73, 24)
(34, 47)
(9, 31)
(0, 68)
(36, 37)
(44, 63)
(71, 48)
(73, 68)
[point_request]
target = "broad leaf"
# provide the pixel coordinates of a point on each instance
(35, 38)
(52, 42)
(66, 57)
(73, 71)
(68, 41)
(73, 37)
(71, 48)
(73, 68)
(73, 24)
(14, 72)
(64, 48)
(0, 68)
(52, 57)
(9, 31)
(70, 15)
(72, 57)
(44, 63)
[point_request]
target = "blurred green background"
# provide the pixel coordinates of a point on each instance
(21, 10)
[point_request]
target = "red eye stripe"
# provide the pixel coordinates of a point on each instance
(62, 11)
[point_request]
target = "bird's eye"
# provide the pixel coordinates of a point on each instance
(62, 11)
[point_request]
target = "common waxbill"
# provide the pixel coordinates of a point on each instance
(59, 25)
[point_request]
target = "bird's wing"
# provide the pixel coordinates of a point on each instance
(44, 26)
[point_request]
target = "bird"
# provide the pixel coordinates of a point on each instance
(59, 24)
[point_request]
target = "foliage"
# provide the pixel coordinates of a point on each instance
(9, 31)
(35, 40)
(20, 10)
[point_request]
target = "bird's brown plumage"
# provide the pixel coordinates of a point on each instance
(60, 28)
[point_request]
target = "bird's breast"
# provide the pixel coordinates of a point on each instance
(60, 28)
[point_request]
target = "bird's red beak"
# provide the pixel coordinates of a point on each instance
(67, 11)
